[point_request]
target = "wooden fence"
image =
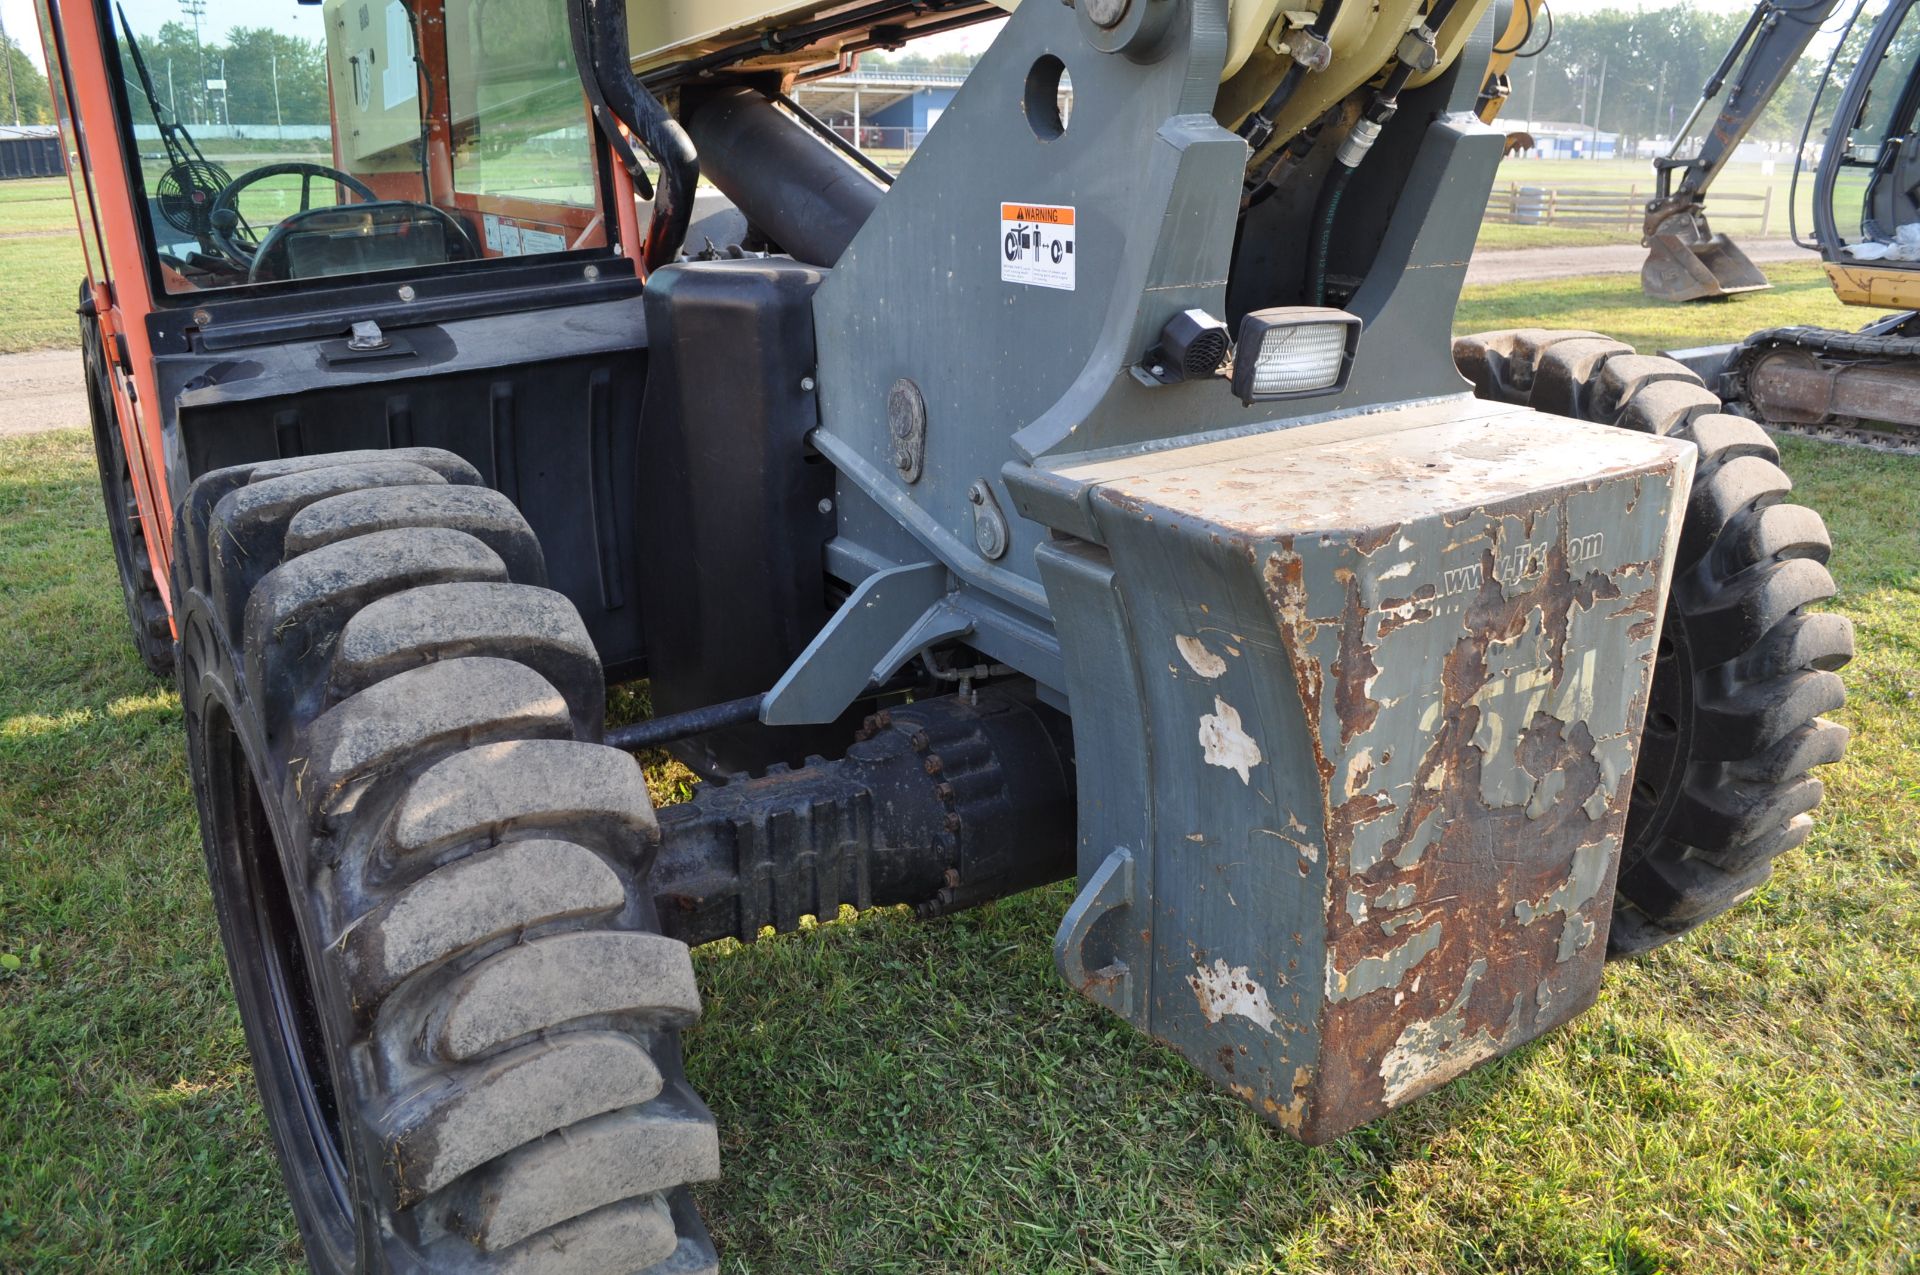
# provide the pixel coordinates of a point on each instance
(1518, 205)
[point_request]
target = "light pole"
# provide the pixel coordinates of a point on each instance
(6, 51)
(1599, 104)
(279, 126)
(195, 9)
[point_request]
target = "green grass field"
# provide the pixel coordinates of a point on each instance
(897, 1096)
(42, 264)
(1729, 203)
(1613, 304)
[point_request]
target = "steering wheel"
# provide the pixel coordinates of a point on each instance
(230, 231)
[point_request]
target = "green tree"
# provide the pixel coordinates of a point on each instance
(28, 89)
(175, 62)
(1656, 62)
(256, 58)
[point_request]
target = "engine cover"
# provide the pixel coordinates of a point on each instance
(1357, 707)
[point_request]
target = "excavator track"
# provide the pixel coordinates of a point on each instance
(1813, 383)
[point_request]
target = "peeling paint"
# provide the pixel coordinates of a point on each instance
(1395, 924)
(1425, 833)
(1198, 657)
(1225, 744)
(1222, 992)
(1590, 864)
(1465, 624)
(1291, 1115)
(1614, 756)
(1546, 794)
(1308, 851)
(1373, 973)
(1430, 1053)
(1574, 936)
(1359, 770)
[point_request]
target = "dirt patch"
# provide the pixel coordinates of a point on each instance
(1531, 265)
(40, 391)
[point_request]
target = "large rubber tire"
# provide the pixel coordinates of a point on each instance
(1744, 670)
(146, 612)
(431, 879)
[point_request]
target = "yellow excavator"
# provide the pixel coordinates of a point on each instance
(1854, 386)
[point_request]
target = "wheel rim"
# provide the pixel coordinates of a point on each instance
(294, 1073)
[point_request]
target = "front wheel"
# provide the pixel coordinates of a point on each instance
(431, 879)
(1744, 669)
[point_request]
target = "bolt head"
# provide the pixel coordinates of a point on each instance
(806, 384)
(407, 293)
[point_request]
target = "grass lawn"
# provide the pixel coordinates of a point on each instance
(41, 262)
(35, 206)
(897, 1096)
(1728, 203)
(913, 1097)
(1614, 304)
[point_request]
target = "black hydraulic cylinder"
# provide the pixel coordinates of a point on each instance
(941, 804)
(678, 726)
(800, 193)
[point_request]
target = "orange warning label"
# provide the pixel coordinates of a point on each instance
(1040, 213)
(1037, 245)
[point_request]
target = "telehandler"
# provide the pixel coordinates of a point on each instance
(1101, 497)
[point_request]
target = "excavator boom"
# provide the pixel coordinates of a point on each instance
(1686, 260)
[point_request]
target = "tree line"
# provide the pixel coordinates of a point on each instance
(271, 76)
(1655, 63)
(23, 98)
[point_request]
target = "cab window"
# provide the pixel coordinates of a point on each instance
(286, 142)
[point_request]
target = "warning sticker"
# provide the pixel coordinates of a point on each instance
(1036, 245)
(510, 239)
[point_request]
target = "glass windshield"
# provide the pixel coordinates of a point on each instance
(518, 125)
(1871, 197)
(285, 141)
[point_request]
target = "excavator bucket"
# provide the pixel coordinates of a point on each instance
(1687, 263)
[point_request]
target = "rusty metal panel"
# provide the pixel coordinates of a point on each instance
(1393, 675)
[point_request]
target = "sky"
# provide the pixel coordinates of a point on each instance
(17, 16)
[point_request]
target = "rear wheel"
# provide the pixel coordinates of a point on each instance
(431, 879)
(1744, 669)
(146, 612)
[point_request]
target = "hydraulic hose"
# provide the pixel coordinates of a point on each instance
(1419, 46)
(1258, 127)
(1325, 213)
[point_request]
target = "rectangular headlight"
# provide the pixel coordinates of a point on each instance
(1293, 351)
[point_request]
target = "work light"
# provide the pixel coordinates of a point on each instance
(1292, 351)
